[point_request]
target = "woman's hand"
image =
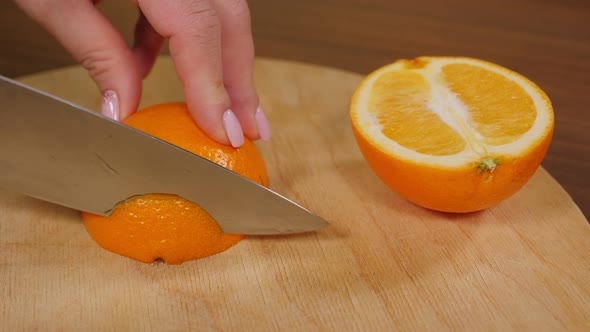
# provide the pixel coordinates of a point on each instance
(210, 42)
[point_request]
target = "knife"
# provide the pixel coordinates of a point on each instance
(59, 152)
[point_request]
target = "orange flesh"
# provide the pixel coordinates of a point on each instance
(400, 101)
(506, 112)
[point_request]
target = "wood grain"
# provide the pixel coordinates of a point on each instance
(545, 40)
(382, 265)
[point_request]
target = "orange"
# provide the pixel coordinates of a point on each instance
(451, 134)
(167, 227)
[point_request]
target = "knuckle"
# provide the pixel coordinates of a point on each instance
(237, 9)
(202, 17)
(98, 62)
(243, 95)
(250, 101)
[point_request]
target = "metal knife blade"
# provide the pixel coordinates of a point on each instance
(56, 151)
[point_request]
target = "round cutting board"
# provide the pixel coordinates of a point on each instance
(382, 264)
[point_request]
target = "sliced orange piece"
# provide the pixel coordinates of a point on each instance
(451, 134)
(167, 227)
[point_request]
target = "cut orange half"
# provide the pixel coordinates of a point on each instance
(451, 134)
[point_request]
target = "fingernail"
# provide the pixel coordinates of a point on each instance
(110, 105)
(233, 129)
(262, 124)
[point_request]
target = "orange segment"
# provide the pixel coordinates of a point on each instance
(506, 112)
(167, 227)
(400, 99)
(449, 133)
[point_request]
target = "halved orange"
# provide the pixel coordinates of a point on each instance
(452, 134)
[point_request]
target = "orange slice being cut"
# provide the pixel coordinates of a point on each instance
(451, 134)
(167, 227)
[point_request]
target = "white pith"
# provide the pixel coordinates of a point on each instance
(458, 117)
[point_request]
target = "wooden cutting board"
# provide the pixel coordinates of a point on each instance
(383, 264)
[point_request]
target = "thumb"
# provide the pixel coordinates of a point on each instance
(86, 34)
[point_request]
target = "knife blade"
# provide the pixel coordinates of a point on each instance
(57, 151)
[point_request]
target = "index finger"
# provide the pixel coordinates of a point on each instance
(194, 33)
